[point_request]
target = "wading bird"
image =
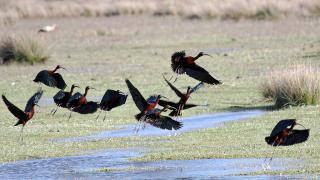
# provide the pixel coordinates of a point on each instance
(62, 97)
(51, 78)
(148, 111)
(77, 100)
(182, 104)
(27, 114)
(48, 28)
(112, 99)
(180, 64)
(87, 108)
(283, 134)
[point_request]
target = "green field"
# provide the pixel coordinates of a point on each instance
(102, 52)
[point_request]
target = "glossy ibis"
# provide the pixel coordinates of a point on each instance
(155, 119)
(87, 108)
(283, 134)
(78, 99)
(140, 101)
(148, 112)
(112, 99)
(51, 78)
(180, 64)
(177, 108)
(62, 97)
(48, 28)
(27, 114)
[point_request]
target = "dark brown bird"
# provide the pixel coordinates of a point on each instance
(182, 104)
(87, 108)
(143, 105)
(283, 134)
(112, 99)
(148, 112)
(51, 78)
(77, 100)
(180, 64)
(62, 97)
(27, 114)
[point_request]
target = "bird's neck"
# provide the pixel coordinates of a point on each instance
(199, 55)
(71, 91)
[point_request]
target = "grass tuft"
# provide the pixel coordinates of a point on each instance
(22, 50)
(298, 85)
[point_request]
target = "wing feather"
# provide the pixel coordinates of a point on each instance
(138, 99)
(18, 113)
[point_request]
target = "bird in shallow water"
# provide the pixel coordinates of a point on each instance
(51, 78)
(178, 107)
(180, 64)
(148, 113)
(112, 99)
(27, 114)
(62, 97)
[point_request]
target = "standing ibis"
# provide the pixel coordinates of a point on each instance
(112, 99)
(180, 64)
(27, 114)
(62, 97)
(148, 112)
(182, 104)
(51, 78)
(48, 28)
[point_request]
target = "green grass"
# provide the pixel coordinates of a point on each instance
(21, 49)
(140, 50)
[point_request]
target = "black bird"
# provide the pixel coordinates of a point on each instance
(283, 134)
(27, 114)
(51, 78)
(62, 97)
(149, 112)
(87, 108)
(112, 99)
(182, 104)
(180, 64)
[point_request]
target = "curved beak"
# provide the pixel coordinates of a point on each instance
(301, 125)
(163, 97)
(207, 55)
(92, 88)
(77, 86)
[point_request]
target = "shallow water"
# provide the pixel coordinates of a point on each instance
(189, 124)
(88, 166)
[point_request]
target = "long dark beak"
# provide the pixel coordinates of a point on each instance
(63, 68)
(301, 125)
(77, 86)
(207, 55)
(163, 97)
(92, 88)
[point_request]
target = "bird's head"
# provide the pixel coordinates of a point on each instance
(74, 86)
(60, 67)
(160, 96)
(89, 87)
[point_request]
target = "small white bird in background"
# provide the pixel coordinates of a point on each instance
(48, 28)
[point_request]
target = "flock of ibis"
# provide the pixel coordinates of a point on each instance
(283, 133)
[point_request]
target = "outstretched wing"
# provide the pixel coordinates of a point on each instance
(138, 99)
(175, 61)
(59, 81)
(198, 86)
(18, 113)
(60, 95)
(112, 99)
(172, 105)
(88, 108)
(282, 125)
(33, 100)
(45, 78)
(296, 136)
(178, 93)
(165, 122)
(74, 100)
(201, 74)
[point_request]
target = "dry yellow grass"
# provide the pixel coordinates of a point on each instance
(228, 9)
(297, 85)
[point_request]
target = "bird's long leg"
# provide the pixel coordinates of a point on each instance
(105, 114)
(69, 116)
(98, 115)
(21, 133)
(54, 112)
